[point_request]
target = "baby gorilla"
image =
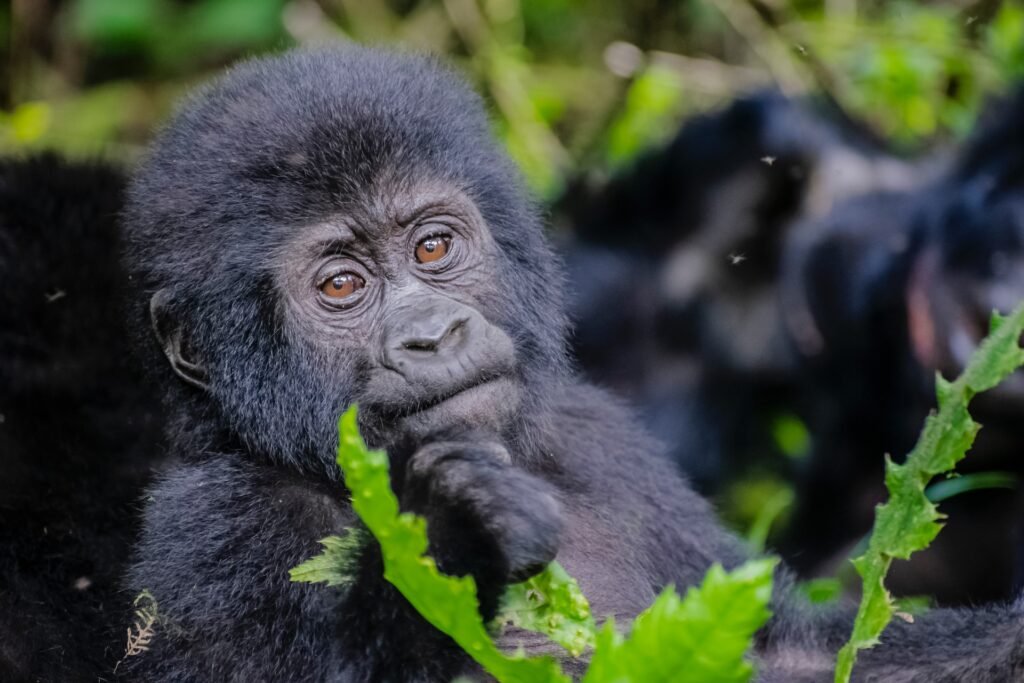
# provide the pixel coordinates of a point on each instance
(338, 227)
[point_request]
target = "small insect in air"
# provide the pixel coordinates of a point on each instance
(768, 160)
(736, 259)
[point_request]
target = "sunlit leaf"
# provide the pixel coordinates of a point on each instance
(702, 638)
(29, 122)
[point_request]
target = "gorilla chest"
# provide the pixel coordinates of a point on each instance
(610, 570)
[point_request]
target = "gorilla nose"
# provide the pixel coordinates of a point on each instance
(431, 342)
(432, 337)
(433, 348)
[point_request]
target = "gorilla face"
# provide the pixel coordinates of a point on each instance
(402, 283)
(972, 265)
(360, 239)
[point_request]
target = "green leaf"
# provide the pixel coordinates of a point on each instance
(913, 605)
(703, 637)
(909, 521)
(821, 590)
(975, 481)
(1005, 40)
(791, 435)
(235, 24)
(336, 565)
(118, 25)
(27, 123)
(551, 603)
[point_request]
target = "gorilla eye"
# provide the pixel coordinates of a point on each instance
(433, 248)
(342, 285)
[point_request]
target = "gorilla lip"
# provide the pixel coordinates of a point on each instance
(443, 398)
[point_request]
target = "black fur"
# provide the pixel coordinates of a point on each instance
(79, 430)
(677, 259)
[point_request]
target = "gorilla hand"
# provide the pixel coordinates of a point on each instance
(485, 517)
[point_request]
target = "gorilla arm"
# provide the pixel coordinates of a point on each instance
(222, 533)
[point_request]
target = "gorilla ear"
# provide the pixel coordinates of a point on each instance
(171, 336)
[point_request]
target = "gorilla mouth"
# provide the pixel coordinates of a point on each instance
(490, 402)
(476, 387)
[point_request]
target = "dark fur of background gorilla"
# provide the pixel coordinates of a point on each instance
(879, 295)
(244, 171)
(688, 242)
(79, 427)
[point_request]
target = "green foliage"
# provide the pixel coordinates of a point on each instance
(118, 25)
(912, 605)
(908, 521)
(526, 124)
(975, 481)
(560, 105)
(653, 104)
(231, 25)
(27, 123)
(822, 590)
(755, 505)
(551, 603)
(336, 565)
(773, 509)
(83, 125)
(913, 69)
(703, 637)
(171, 36)
(1004, 40)
(791, 435)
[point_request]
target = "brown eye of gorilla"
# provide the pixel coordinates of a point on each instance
(433, 248)
(343, 285)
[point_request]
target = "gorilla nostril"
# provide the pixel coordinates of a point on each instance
(419, 345)
(432, 343)
(455, 330)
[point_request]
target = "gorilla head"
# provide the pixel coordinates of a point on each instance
(339, 226)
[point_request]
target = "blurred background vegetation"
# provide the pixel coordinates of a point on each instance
(574, 86)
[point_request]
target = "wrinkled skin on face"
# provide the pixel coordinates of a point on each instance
(404, 287)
